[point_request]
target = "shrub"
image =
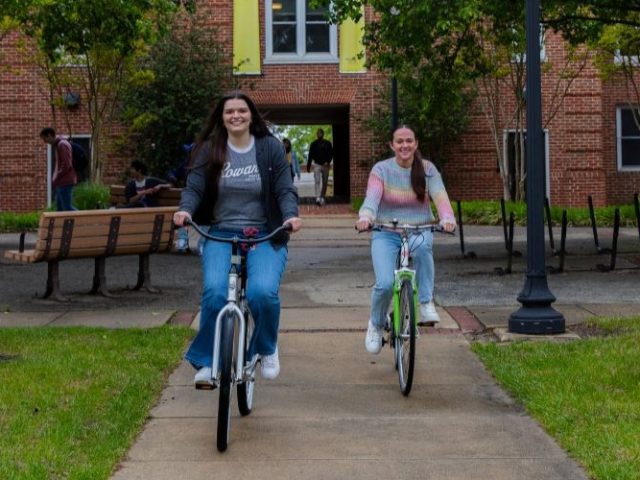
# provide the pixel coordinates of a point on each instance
(17, 222)
(87, 196)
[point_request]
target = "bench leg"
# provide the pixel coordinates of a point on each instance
(53, 282)
(100, 278)
(144, 276)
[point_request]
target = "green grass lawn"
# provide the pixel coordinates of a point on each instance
(72, 400)
(585, 393)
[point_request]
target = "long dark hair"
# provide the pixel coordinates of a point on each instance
(214, 135)
(418, 180)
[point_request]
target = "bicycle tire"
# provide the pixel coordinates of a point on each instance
(226, 373)
(405, 341)
(246, 389)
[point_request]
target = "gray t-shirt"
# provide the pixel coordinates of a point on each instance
(239, 202)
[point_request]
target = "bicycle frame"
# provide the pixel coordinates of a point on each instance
(234, 294)
(400, 274)
(403, 272)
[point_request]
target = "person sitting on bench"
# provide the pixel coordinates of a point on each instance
(142, 190)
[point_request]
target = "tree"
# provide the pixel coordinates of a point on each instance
(430, 49)
(301, 137)
(90, 45)
(166, 101)
(618, 53)
(502, 82)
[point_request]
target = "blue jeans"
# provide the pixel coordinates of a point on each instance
(63, 198)
(265, 266)
(385, 247)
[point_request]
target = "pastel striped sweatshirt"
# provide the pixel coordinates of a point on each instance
(390, 196)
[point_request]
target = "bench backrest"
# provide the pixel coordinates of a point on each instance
(92, 233)
(168, 197)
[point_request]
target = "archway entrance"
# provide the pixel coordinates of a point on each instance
(335, 115)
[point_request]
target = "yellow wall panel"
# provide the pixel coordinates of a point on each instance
(352, 59)
(246, 37)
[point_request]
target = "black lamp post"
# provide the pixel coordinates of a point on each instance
(536, 316)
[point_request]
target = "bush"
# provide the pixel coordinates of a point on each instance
(18, 222)
(87, 196)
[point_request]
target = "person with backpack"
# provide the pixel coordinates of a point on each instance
(64, 176)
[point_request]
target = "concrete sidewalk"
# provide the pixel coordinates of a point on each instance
(336, 412)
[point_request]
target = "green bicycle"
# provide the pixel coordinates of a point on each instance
(402, 326)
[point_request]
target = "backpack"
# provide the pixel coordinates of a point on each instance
(79, 158)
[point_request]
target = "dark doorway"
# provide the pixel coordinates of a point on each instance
(338, 118)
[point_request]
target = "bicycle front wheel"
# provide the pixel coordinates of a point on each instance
(405, 340)
(246, 388)
(226, 378)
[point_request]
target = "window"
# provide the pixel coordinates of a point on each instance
(622, 58)
(522, 57)
(298, 33)
(628, 138)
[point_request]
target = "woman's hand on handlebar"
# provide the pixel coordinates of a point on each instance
(181, 217)
(295, 222)
(363, 224)
(449, 227)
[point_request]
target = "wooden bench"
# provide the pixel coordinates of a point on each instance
(169, 197)
(99, 234)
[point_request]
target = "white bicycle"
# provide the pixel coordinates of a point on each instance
(233, 331)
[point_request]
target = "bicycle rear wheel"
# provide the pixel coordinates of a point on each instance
(405, 341)
(246, 388)
(226, 378)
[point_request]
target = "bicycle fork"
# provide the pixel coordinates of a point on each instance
(240, 324)
(400, 275)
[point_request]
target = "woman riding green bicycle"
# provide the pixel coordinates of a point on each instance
(399, 191)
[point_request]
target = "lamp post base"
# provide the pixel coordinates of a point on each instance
(536, 320)
(536, 316)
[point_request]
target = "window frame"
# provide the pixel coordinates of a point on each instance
(620, 58)
(522, 57)
(619, 140)
(301, 56)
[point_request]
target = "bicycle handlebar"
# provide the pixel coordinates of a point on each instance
(287, 227)
(395, 227)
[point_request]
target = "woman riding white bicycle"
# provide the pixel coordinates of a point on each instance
(240, 178)
(399, 190)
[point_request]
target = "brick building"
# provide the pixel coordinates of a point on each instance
(301, 70)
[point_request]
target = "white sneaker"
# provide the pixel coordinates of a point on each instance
(428, 314)
(270, 366)
(373, 340)
(203, 378)
(322, 202)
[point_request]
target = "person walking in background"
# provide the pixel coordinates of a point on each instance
(142, 191)
(399, 189)
(240, 181)
(319, 158)
(64, 176)
(292, 158)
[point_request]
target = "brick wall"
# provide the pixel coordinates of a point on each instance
(582, 144)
